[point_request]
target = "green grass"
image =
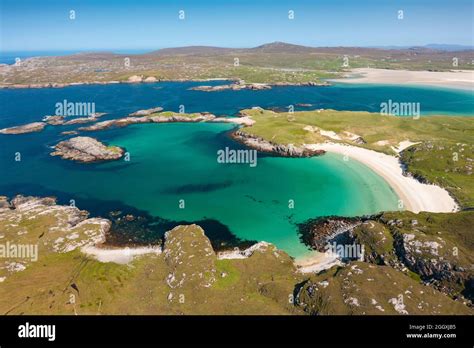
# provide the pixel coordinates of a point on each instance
(449, 164)
(232, 275)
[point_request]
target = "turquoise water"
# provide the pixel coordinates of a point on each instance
(173, 162)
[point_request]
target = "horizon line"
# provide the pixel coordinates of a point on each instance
(96, 49)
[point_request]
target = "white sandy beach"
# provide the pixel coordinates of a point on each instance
(316, 262)
(415, 196)
(459, 79)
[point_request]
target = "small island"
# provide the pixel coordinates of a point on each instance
(86, 150)
(27, 128)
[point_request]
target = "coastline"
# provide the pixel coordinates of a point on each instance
(316, 262)
(456, 79)
(415, 195)
(234, 84)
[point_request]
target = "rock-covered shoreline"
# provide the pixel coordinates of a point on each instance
(134, 79)
(406, 242)
(86, 150)
(317, 233)
(242, 85)
(263, 145)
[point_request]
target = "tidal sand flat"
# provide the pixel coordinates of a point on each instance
(457, 79)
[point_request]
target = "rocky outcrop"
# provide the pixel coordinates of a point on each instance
(263, 145)
(150, 79)
(164, 117)
(86, 149)
(27, 128)
(58, 120)
(41, 227)
(362, 288)
(54, 120)
(310, 83)
(190, 258)
(240, 85)
(146, 112)
(436, 260)
(317, 233)
(135, 79)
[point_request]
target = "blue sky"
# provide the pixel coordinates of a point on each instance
(150, 24)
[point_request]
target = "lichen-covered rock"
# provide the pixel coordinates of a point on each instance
(378, 243)
(146, 112)
(39, 227)
(363, 288)
(86, 149)
(437, 247)
(190, 257)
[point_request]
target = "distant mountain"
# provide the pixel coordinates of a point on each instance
(279, 46)
(284, 47)
(434, 47)
(447, 47)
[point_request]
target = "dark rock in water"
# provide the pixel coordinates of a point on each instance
(317, 233)
(140, 230)
(69, 133)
